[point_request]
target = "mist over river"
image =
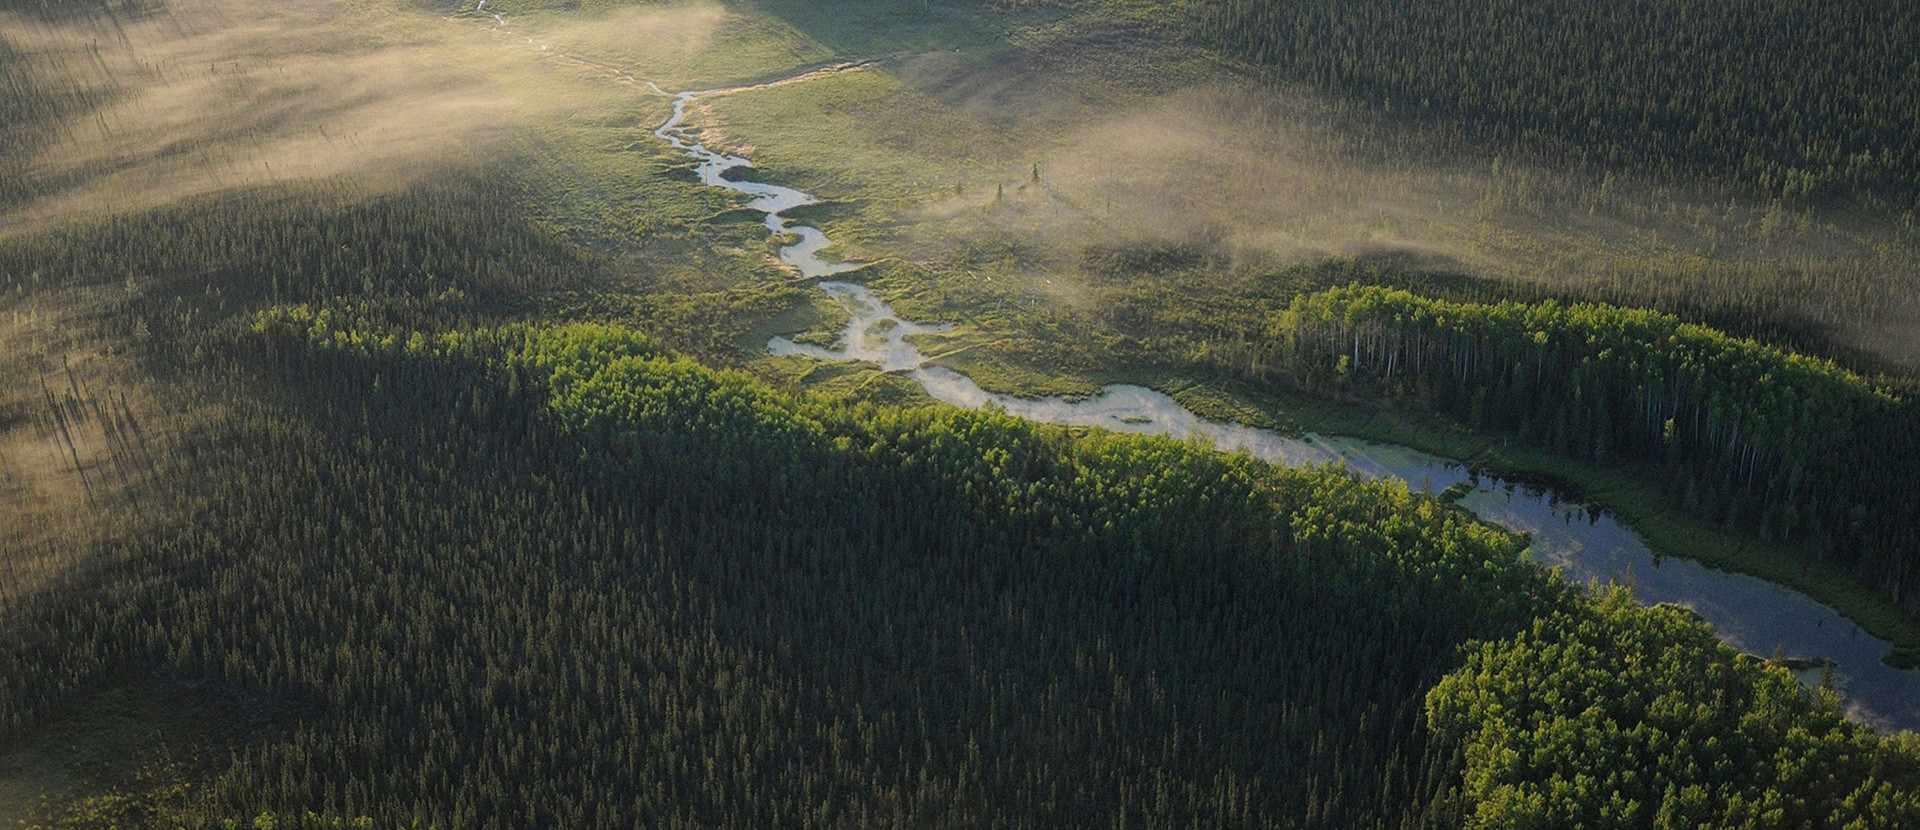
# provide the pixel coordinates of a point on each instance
(1586, 543)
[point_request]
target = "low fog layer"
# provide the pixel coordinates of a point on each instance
(1270, 176)
(210, 96)
(1134, 140)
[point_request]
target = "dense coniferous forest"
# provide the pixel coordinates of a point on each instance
(1617, 715)
(1798, 99)
(1750, 435)
(464, 523)
(488, 575)
(498, 575)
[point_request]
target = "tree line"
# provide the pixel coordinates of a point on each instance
(1753, 436)
(559, 575)
(530, 576)
(495, 574)
(1794, 98)
(1611, 714)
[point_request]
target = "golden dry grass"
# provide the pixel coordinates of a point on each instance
(216, 96)
(212, 96)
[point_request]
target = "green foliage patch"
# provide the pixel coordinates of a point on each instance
(1618, 715)
(1750, 434)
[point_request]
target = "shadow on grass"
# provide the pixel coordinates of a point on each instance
(68, 11)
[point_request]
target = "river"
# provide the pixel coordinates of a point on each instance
(1585, 542)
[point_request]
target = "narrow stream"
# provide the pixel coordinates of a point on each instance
(771, 200)
(1585, 542)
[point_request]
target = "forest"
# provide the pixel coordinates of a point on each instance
(1677, 87)
(1748, 434)
(565, 562)
(448, 481)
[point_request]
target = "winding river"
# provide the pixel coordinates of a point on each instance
(1585, 542)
